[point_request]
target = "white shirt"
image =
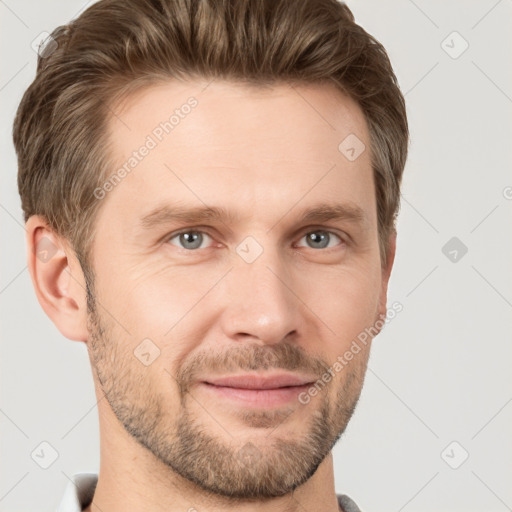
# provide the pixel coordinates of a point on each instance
(78, 495)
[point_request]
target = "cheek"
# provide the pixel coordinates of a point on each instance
(166, 307)
(345, 300)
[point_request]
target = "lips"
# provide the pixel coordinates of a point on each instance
(256, 391)
(257, 382)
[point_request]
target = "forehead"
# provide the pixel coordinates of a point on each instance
(200, 142)
(228, 111)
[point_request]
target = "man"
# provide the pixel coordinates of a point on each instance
(210, 191)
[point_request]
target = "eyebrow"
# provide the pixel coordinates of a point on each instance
(320, 213)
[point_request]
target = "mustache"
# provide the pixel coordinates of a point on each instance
(282, 356)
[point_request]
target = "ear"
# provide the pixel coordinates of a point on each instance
(386, 272)
(57, 278)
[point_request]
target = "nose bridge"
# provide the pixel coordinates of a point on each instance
(259, 302)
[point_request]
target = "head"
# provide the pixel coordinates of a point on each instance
(217, 185)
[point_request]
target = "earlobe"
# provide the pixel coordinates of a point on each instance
(57, 278)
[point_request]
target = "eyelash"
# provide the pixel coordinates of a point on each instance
(313, 230)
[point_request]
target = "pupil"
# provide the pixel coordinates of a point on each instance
(321, 239)
(188, 238)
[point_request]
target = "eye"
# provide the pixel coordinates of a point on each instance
(190, 240)
(320, 239)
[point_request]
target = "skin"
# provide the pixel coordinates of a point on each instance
(266, 155)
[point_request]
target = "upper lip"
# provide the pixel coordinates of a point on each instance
(254, 381)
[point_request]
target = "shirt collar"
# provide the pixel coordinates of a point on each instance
(80, 491)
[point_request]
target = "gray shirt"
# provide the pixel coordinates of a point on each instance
(78, 495)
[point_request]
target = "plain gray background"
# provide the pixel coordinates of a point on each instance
(438, 387)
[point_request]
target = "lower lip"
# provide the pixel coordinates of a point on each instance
(263, 398)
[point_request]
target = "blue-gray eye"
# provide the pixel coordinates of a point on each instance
(190, 239)
(320, 239)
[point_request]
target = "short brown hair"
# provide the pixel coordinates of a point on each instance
(117, 46)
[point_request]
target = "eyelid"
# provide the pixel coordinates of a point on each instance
(335, 231)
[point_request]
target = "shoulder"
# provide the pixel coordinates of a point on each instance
(78, 493)
(347, 504)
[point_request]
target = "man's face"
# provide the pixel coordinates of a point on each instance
(182, 303)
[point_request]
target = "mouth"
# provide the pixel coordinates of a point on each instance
(256, 391)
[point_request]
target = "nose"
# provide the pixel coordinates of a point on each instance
(260, 304)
